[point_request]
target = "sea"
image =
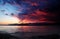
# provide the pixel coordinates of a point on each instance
(28, 31)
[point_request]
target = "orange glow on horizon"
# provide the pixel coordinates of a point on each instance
(9, 20)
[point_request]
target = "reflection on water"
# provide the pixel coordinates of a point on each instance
(8, 29)
(38, 30)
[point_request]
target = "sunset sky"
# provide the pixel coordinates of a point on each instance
(26, 11)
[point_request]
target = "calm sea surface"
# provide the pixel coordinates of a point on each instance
(30, 30)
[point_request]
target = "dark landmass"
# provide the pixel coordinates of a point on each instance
(31, 24)
(34, 24)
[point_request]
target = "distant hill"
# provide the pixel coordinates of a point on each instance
(30, 24)
(34, 24)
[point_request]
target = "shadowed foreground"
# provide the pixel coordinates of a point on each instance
(8, 36)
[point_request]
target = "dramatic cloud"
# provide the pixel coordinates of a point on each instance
(31, 11)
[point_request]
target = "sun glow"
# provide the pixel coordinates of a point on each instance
(8, 20)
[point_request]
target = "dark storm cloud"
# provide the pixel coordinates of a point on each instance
(54, 6)
(37, 10)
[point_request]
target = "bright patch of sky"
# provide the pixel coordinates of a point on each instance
(4, 19)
